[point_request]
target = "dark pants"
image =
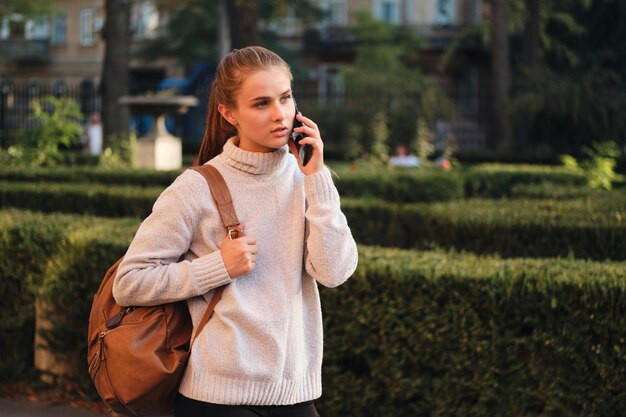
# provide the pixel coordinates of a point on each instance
(186, 407)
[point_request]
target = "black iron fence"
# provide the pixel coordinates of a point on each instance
(466, 122)
(16, 104)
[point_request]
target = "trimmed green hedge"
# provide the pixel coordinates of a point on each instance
(398, 185)
(445, 334)
(61, 257)
(497, 180)
(80, 174)
(80, 198)
(401, 185)
(554, 191)
(592, 227)
(412, 333)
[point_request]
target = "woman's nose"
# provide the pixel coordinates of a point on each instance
(279, 112)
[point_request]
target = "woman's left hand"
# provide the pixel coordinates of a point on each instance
(312, 137)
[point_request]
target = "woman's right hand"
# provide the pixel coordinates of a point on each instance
(239, 255)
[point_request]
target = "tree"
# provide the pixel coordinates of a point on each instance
(531, 40)
(195, 33)
(501, 75)
(383, 83)
(27, 8)
(115, 72)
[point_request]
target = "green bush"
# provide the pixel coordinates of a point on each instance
(82, 174)
(592, 228)
(496, 180)
(412, 333)
(552, 191)
(397, 185)
(85, 198)
(62, 258)
(400, 185)
(445, 334)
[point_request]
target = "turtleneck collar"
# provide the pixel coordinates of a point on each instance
(257, 163)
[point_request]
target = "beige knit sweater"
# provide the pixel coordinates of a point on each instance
(263, 344)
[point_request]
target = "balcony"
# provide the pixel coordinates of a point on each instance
(25, 50)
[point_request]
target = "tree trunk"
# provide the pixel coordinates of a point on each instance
(243, 18)
(500, 138)
(115, 73)
(223, 38)
(531, 47)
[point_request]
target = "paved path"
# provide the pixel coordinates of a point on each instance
(25, 408)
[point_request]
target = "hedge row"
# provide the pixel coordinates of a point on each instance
(80, 174)
(399, 185)
(412, 333)
(51, 255)
(80, 198)
(591, 227)
(497, 180)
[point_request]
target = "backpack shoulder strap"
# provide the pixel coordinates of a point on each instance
(222, 197)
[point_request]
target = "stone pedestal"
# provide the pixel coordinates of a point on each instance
(158, 149)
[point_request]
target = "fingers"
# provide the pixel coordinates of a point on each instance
(312, 137)
(239, 255)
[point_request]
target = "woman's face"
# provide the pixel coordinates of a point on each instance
(264, 111)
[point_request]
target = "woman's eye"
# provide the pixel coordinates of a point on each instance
(261, 104)
(285, 98)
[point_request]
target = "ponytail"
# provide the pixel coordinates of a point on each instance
(217, 131)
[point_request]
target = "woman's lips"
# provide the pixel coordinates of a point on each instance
(280, 132)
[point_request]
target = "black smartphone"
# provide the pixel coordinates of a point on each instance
(304, 151)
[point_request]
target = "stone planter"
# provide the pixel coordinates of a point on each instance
(158, 149)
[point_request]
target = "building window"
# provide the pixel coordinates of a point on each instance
(13, 26)
(87, 26)
(4, 29)
(387, 10)
(145, 20)
(59, 29)
(330, 86)
(36, 29)
(445, 12)
(337, 12)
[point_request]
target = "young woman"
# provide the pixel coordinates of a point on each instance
(261, 352)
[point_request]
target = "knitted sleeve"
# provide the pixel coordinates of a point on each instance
(330, 251)
(155, 269)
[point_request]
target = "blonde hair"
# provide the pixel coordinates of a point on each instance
(230, 76)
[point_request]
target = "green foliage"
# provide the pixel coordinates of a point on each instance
(379, 155)
(62, 259)
(425, 147)
(567, 109)
(592, 227)
(85, 198)
(122, 152)
(598, 167)
(552, 191)
(382, 70)
(28, 8)
(56, 124)
(497, 180)
(446, 334)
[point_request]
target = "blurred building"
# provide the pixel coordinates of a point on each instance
(439, 23)
(65, 52)
(66, 49)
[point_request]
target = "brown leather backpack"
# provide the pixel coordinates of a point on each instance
(137, 355)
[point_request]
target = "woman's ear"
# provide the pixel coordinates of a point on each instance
(227, 114)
